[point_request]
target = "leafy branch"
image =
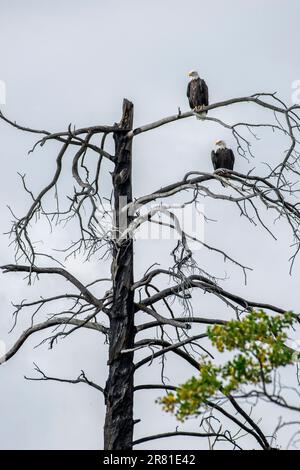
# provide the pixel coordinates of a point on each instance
(260, 342)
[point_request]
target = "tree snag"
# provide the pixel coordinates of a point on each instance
(118, 429)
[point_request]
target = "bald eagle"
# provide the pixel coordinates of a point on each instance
(197, 93)
(222, 158)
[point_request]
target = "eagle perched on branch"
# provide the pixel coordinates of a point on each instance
(197, 93)
(223, 157)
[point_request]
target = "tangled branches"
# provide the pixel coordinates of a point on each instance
(164, 306)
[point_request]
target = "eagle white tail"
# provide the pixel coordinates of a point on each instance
(201, 116)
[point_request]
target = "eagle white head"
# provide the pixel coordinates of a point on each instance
(193, 74)
(220, 144)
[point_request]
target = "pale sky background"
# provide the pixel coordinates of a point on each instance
(73, 61)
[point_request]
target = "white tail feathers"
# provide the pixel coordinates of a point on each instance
(201, 116)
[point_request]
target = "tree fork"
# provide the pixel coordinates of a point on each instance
(118, 428)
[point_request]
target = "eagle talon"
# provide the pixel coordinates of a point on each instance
(221, 172)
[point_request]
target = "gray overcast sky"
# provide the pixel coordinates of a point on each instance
(74, 61)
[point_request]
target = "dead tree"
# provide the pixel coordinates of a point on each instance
(113, 313)
(118, 429)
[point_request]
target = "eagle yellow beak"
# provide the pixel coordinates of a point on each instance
(217, 142)
(189, 74)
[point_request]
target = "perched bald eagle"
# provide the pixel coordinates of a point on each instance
(197, 93)
(222, 158)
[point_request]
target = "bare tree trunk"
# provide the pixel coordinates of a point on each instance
(118, 429)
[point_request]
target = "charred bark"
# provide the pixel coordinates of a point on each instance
(118, 429)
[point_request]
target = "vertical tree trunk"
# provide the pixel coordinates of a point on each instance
(118, 429)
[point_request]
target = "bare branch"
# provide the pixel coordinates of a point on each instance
(59, 271)
(175, 117)
(48, 324)
(80, 379)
